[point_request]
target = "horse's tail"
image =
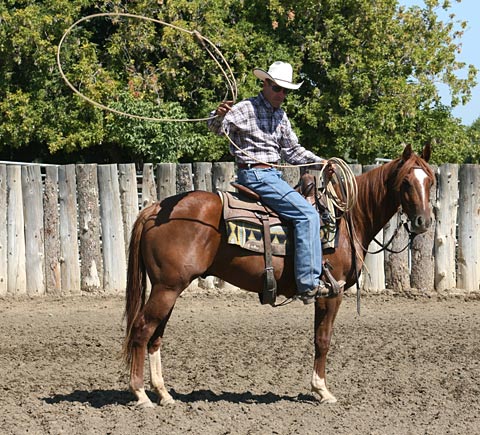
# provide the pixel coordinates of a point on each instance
(136, 280)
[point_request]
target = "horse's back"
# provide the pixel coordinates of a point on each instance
(182, 213)
(182, 233)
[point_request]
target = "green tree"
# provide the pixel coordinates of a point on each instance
(373, 68)
(473, 150)
(370, 71)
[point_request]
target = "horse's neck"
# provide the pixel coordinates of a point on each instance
(376, 203)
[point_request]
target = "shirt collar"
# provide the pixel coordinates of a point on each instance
(266, 103)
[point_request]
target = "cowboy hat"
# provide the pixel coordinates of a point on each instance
(281, 73)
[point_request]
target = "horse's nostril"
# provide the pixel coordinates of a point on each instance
(421, 222)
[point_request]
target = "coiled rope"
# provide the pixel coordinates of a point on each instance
(349, 190)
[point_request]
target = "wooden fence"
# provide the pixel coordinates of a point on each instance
(65, 229)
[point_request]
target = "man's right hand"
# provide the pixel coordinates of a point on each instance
(223, 108)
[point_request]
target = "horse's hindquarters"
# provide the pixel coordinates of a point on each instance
(180, 241)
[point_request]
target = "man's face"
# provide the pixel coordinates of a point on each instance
(274, 93)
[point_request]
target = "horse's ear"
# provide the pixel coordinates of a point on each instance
(427, 150)
(407, 152)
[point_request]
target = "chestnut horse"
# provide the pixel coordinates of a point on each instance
(183, 237)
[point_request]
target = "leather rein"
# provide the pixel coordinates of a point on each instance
(385, 247)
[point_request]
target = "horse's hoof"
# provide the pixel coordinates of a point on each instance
(328, 400)
(166, 401)
(144, 405)
(324, 396)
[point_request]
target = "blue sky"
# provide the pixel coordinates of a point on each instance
(466, 10)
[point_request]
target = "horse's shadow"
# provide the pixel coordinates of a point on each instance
(102, 398)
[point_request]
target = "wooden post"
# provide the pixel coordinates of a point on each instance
(91, 268)
(114, 261)
(166, 180)
(468, 269)
(17, 279)
(53, 278)
(397, 273)
(34, 232)
(446, 227)
(356, 168)
(422, 274)
(149, 191)
(3, 232)
(223, 174)
(70, 267)
(129, 198)
(202, 176)
(184, 182)
(291, 175)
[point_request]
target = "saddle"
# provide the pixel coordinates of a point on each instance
(254, 226)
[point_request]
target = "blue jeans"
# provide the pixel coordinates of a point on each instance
(290, 205)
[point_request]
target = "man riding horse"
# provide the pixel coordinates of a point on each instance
(263, 134)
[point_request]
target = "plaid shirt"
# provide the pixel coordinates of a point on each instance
(262, 132)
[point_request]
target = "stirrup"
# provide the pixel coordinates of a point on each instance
(335, 286)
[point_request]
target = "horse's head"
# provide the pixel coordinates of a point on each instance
(413, 183)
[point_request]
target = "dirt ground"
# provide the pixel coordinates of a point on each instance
(405, 366)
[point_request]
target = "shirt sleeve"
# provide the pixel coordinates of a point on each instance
(215, 123)
(291, 150)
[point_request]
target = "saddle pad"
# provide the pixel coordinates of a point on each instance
(249, 236)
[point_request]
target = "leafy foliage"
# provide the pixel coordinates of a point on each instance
(371, 71)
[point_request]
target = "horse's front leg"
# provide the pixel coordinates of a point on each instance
(325, 312)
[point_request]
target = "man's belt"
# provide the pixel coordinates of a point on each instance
(255, 165)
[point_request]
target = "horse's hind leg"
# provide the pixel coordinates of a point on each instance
(155, 359)
(147, 331)
(158, 384)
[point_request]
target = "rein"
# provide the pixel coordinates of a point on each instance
(384, 247)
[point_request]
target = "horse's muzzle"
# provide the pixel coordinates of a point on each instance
(420, 224)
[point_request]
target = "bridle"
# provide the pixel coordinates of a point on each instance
(403, 221)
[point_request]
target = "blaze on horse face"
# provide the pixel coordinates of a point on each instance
(416, 181)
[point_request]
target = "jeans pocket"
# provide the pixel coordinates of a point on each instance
(263, 175)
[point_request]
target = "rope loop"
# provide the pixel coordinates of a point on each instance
(208, 45)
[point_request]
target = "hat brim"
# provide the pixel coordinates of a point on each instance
(263, 75)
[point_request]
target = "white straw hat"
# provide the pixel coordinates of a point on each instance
(281, 73)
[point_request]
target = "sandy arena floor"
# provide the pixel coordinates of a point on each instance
(405, 366)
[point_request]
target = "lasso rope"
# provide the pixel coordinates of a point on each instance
(344, 171)
(343, 174)
(205, 42)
